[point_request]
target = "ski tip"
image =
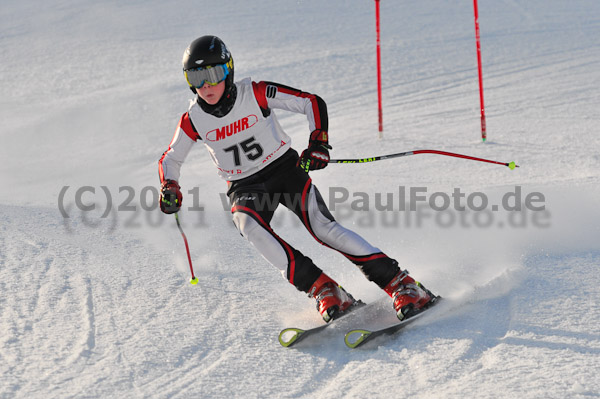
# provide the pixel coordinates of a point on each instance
(354, 338)
(288, 336)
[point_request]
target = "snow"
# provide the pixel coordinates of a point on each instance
(96, 307)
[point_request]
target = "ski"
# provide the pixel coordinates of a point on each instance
(292, 335)
(355, 338)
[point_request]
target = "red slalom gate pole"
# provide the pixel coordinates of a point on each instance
(378, 31)
(478, 42)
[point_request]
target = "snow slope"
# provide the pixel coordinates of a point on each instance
(97, 303)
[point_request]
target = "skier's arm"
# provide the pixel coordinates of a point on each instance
(170, 163)
(271, 95)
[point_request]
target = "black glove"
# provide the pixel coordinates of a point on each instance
(170, 197)
(316, 156)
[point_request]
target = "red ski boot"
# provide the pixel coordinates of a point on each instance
(332, 300)
(409, 295)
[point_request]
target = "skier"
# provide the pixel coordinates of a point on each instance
(254, 155)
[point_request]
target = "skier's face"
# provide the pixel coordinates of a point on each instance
(211, 94)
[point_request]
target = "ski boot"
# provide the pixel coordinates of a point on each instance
(410, 297)
(332, 299)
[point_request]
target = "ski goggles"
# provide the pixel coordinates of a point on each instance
(212, 74)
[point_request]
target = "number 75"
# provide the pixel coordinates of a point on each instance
(250, 148)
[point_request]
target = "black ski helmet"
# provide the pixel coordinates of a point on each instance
(208, 50)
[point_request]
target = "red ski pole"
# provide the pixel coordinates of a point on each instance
(511, 165)
(194, 280)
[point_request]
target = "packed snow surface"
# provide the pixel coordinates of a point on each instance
(95, 299)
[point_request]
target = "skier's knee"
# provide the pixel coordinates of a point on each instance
(244, 223)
